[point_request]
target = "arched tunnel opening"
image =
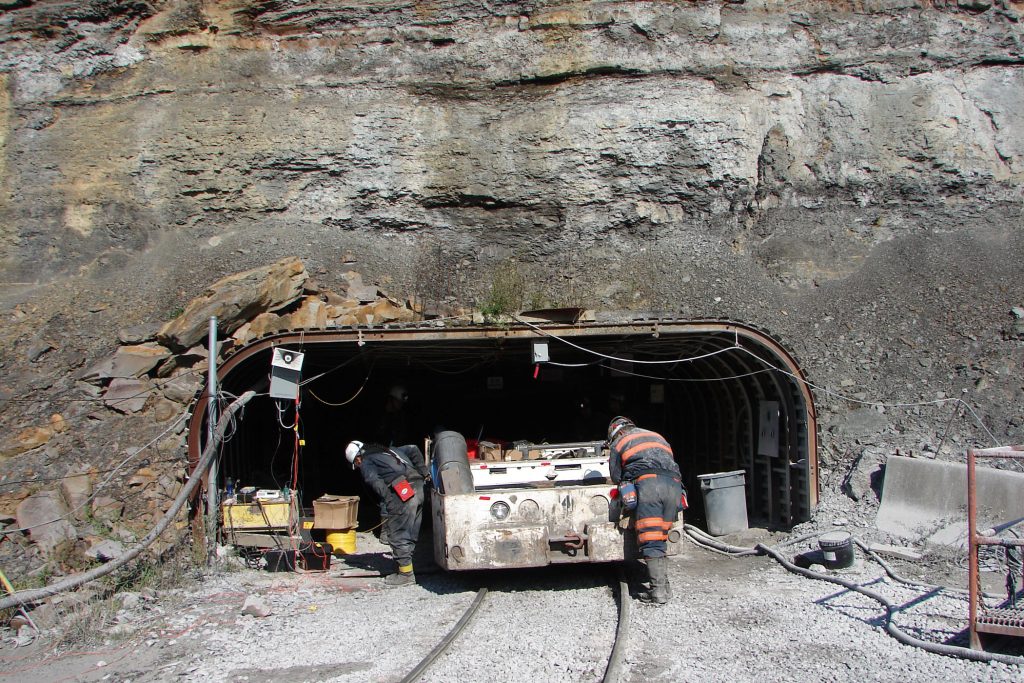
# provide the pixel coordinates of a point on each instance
(727, 397)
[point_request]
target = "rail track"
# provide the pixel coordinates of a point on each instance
(612, 670)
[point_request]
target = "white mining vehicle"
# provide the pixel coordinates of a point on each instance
(528, 505)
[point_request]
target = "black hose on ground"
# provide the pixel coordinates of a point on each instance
(894, 631)
(910, 582)
(37, 594)
(702, 538)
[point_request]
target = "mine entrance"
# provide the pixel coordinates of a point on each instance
(726, 396)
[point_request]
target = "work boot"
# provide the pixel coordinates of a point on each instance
(659, 594)
(399, 579)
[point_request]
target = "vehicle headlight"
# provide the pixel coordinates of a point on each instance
(500, 511)
(599, 505)
(529, 510)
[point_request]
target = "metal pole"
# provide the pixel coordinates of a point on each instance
(212, 504)
(973, 585)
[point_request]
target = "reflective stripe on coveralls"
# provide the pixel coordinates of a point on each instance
(650, 440)
(657, 509)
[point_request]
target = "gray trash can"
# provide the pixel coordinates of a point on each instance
(725, 501)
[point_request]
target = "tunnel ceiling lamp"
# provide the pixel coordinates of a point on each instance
(540, 351)
(285, 373)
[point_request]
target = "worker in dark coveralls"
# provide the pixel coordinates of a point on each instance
(396, 475)
(645, 458)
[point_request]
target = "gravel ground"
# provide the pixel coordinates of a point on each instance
(737, 619)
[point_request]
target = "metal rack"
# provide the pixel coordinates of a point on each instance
(1006, 619)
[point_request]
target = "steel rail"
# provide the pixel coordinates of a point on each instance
(446, 642)
(614, 671)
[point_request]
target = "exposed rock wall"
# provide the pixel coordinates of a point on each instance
(525, 129)
(846, 174)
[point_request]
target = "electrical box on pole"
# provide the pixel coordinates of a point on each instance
(285, 373)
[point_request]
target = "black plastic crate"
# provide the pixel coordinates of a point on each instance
(280, 560)
(316, 556)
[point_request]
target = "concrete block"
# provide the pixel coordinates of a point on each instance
(927, 499)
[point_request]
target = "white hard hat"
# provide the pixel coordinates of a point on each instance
(353, 449)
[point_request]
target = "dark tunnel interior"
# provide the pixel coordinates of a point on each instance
(721, 408)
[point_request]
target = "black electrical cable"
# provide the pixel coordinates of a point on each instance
(890, 627)
(893, 629)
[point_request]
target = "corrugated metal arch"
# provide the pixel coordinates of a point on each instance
(752, 355)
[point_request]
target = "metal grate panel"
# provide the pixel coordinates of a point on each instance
(1006, 620)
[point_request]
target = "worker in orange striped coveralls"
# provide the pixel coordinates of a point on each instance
(645, 459)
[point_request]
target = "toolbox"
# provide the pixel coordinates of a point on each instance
(256, 515)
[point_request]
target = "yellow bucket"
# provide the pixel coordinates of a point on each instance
(343, 542)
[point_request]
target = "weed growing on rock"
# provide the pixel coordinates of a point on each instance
(508, 289)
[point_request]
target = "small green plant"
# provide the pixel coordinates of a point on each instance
(85, 621)
(508, 288)
(69, 557)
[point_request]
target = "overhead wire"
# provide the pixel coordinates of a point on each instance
(105, 403)
(337, 367)
(352, 398)
(684, 379)
(278, 405)
(72, 475)
(545, 333)
(736, 346)
(100, 399)
(877, 404)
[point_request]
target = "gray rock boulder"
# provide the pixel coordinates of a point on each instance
(44, 515)
(105, 550)
(126, 395)
(126, 362)
(138, 334)
(862, 424)
(181, 389)
(865, 476)
(256, 607)
(107, 509)
(76, 490)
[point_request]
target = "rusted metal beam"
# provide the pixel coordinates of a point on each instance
(986, 621)
(1011, 452)
(425, 332)
(1005, 542)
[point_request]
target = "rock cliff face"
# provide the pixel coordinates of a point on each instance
(847, 174)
